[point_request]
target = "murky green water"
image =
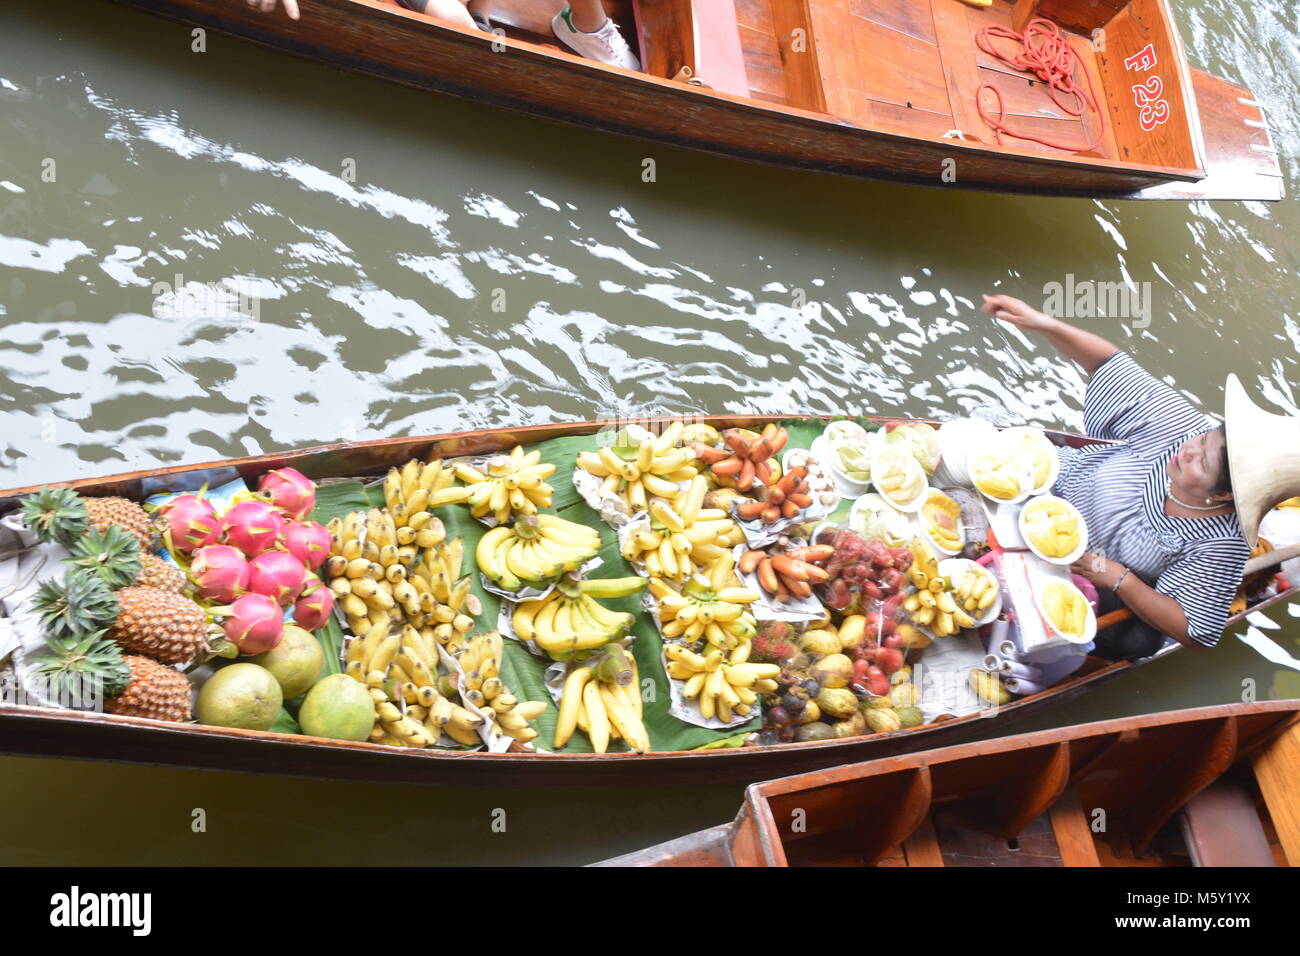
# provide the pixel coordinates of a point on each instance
(483, 268)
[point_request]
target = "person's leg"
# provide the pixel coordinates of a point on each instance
(481, 12)
(451, 11)
(1128, 640)
(587, 15)
(583, 28)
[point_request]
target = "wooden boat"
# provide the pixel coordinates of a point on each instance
(33, 731)
(1213, 786)
(883, 89)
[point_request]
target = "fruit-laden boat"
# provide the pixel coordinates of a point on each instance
(348, 478)
(885, 89)
(1212, 786)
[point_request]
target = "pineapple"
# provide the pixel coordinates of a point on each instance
(114, 555)
(83, 667)
(62, 515)
(129, 685)
(166, 626)
(78, 604)
(157, 573)
(55, 514)
(107, 512)
(155, 690)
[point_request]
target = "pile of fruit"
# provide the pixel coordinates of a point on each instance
(744, 460)
(641, 466)
(792, 572)
(1066, 607)
(1052, 525)
(122, 619)
(601, 696)
(682, 536)
(535, 551)
(571, 618)
(508, 485)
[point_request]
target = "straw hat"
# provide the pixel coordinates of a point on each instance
(1263, 457)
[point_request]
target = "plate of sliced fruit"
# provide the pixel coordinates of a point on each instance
(1065, 609)
(899, 478)
(975, 589)
(1040, 451)
(1054, 529)
(1002, 472)
(941, 521)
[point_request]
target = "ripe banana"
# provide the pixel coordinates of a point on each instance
(535, 550)
(507, 485)
(644, 466)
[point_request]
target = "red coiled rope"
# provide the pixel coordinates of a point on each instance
(1046, 53)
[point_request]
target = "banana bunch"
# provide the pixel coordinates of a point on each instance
(419, 487)
(602, 697)
(511, 485)
(642, 466)
(932, 605)
(937, 611)
(366, 568)
(480, 661)
(535, 550)
(722, 685)
(1066, 607)
(443, 605)
(571, 619)
(684, 538)
(401, 672)
(989, 687)
(976, 591)
(711, 606)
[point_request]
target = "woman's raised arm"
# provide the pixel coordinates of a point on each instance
(1087, 349)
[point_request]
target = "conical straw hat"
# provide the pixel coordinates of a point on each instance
(1263, 457)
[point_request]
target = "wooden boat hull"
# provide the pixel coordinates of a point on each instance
(1032, 800)
(28, 731)
(392, 43)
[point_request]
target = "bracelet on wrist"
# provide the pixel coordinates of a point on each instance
(1120, 580)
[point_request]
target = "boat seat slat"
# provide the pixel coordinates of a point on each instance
(1222, 828)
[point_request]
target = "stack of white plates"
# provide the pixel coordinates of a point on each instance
(957, 440)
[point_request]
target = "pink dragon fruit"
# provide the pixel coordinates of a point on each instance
(278, 575)
(289, 490)
(313, 608)
(252, 527)
(192, 522)
(254, 623)
(220, 571)
(307, 541)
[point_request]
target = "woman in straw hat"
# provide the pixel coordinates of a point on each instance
(1169, 527)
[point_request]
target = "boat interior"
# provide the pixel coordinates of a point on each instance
(913, 67)
(1211, 789)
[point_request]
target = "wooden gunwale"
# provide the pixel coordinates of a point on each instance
(1205, 726)
(38, 731)
(843, 147)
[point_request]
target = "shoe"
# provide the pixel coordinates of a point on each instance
(606, 45)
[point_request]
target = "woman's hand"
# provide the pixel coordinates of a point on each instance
(1010, 309)
(1102, 572)
(266, 6)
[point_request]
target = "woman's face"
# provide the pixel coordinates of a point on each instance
(1195, 467)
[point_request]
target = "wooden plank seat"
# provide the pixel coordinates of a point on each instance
(1222, 827)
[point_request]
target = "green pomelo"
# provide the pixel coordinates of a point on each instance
(241, 695)
(295, 662)
(337, 707)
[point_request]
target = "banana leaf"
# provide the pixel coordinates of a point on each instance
(522, 672)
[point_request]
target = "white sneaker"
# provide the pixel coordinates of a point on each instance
(606, 45)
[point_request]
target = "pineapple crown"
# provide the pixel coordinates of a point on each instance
(55, 514)
(78, 605)
(111, 554)
(84, 668)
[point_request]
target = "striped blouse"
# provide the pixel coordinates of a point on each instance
(1120, 490)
